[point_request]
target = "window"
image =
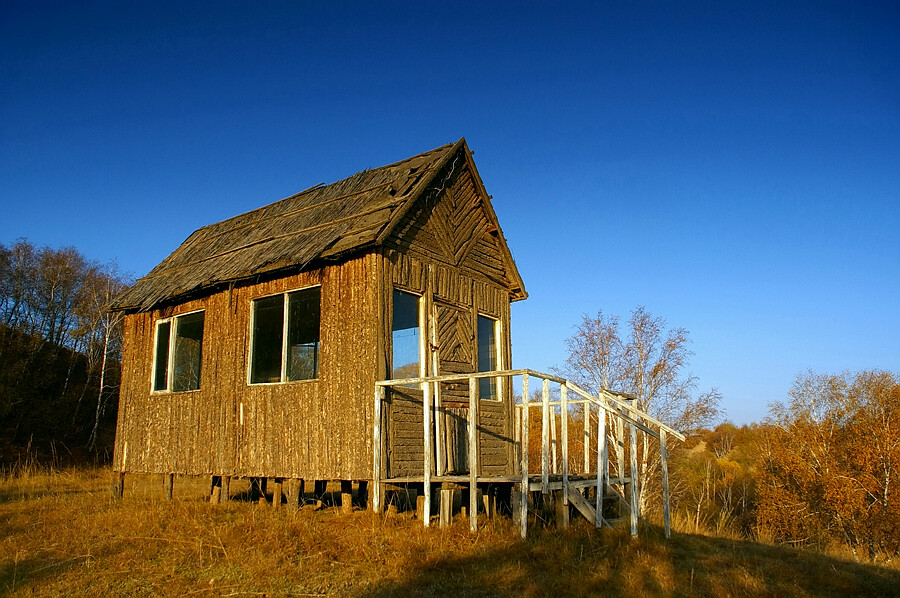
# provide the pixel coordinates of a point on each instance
(406, 337)
(178, 355)
(285, 337)
(487, 356)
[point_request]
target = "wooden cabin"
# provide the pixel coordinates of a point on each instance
(253, 350)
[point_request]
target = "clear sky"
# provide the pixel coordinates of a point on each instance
(733, 167)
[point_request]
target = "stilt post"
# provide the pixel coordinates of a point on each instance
(602, 465)
(473, 455)
(564, 407)
(634, 480)
(523, 506)
(427, 459)
(376, 465)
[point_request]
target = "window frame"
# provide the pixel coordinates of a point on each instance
(285, 337)
(421, 322)
(498, 356)
(170, 357)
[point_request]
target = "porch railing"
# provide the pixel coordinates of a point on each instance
(607, 403)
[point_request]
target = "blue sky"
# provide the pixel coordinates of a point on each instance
(733, 167)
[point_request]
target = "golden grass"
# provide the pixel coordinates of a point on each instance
(63, 534)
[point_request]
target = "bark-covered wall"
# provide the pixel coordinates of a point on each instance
(311, 429)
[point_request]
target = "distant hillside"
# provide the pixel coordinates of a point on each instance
(48, 403)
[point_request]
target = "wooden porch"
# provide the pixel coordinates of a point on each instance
(586, 488)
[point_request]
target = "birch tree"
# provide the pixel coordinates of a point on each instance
(646, 360)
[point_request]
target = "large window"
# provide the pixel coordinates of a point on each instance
(179, 351)
(285, 337)
(487, 356)
(406, 337)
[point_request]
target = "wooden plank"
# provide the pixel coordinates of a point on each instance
(620, 447)
(554, 444)
(523, 503)
(602, 465)
(586, 410)
(664, 466)
(277, 493)
(446, 506)
(545, 435)
(634, 480)
(473, 456)
(376, 466)
(577, 500)
(427, 456)
(564, 399)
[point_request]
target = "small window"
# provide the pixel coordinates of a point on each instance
(179, 353)
(285, 337)
(487, 357)
(406, 338)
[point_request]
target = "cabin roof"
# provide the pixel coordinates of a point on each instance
(323, 222)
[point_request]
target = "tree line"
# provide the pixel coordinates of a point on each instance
(820, 472)
(61, 351)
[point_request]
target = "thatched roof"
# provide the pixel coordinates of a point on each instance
(323, 222)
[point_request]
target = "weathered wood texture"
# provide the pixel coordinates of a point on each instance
(435, 234)
(458, 299)
(308, 429)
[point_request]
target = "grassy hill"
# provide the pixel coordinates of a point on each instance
(64, 534)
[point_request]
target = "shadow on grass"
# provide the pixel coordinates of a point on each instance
(585, 562)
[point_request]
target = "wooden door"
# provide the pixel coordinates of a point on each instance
(457, 352)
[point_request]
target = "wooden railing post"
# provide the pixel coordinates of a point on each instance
(634, 480)
(426, 464)
(376, 466)
(664, 466)
(587, 436)
(602, 465)
(564, 406)
(473, 456)
(523, 511)
(545, 436)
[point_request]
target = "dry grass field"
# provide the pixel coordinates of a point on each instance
(63, 534)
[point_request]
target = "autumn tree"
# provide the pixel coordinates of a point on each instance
(58, 344)
(646, 360)
(830, 465)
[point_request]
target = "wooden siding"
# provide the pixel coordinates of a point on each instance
(446, 246)
(453, 230)
(309, 429)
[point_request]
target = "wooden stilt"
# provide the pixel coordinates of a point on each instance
(634, 480)
(346, 496)
(215, 494)
(376, 469)
(319, 489)
(428, 457)
(561, 510)
(473, 456)
(523, 490)
(168, 483)
(564, 428)
(446, 514)
(420, 506)
(226, 489)
(119, 484)
(277, 493)
(602, 466)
